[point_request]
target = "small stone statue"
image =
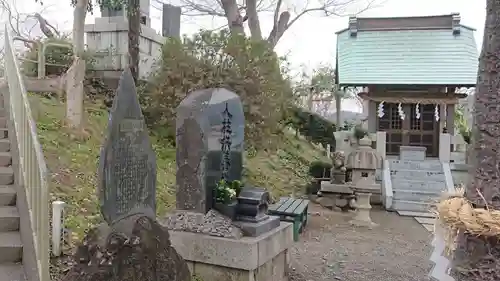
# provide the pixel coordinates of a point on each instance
(338, 171)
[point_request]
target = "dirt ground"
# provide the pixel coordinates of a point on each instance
(331, 249)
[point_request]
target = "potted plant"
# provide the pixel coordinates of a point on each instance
(226, 193)
(359, 133)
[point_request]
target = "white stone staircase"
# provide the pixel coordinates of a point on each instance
(416, 184)
(11, 247)
(413, 183)
(24, 192)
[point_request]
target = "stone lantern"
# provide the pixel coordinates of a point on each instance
(363, 161)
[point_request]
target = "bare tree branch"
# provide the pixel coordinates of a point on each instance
(18, 23)
(282, 20)
(47, 29)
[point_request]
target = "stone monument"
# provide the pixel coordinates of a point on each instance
(131, 245)
(199, 150)
(171, 21)
(363, 161)
(220, 224)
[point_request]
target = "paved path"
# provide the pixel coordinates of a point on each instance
(331, 249)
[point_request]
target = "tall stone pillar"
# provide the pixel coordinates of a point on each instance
(171, 21)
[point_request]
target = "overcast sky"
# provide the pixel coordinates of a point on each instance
(310, 41)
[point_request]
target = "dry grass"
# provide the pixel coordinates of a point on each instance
(72, 162)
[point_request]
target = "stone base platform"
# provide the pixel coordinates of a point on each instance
(261, 258)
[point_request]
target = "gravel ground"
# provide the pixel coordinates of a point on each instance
(331, 249)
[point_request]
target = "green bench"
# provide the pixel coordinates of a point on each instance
(291, 210)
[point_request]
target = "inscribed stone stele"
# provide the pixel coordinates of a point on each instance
(127, 166)
(199, 122)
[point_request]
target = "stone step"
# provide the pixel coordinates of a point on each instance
(428, 227)
(417, 214)
(7, 195)
(404, 184)
(6, 176)
(418, 175)
(416, 195)
(3, 122)
(412, 206)
(12, 272)
(430, 221)
(397, 165)
(5, 159)
(9, 218)
(4, 145)
(4, 133)
(11, 247)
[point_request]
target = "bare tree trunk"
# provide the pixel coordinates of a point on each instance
(234, 18)
(253, 19)
(134, 30)
(478, 258)
(79, 15)
(73, 79)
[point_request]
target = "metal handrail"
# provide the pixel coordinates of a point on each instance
(32, 170)
(42, 48)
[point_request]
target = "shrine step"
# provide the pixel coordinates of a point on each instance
(10, 247)
(433, 166)
(404, 174)
(417, 214)
(12, 272)
(421, 185)
(4, 145)
(413, 206)
(6, 175)
(416, 195)
(7, 195)
(5, 159)
(9, 218)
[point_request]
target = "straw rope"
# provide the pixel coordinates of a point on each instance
(455, 213)
(411, 100)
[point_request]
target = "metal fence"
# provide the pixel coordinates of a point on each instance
(32, 170)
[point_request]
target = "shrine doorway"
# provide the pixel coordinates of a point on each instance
(414, 130)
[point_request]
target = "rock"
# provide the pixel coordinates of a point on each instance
(135, 248)
(211, 223)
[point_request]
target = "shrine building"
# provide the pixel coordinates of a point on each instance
(409, 72)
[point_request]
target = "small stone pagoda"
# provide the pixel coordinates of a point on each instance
(363, 161)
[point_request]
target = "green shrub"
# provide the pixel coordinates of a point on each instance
(313, 126)
(217, 60)
(320, 169)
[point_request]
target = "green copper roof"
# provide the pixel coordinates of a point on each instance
(411, 57)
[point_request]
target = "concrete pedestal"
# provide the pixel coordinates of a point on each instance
(108, 39)
(261, 258)
(363, 207)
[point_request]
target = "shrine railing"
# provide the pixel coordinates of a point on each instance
(31, 172)
(452, 148)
